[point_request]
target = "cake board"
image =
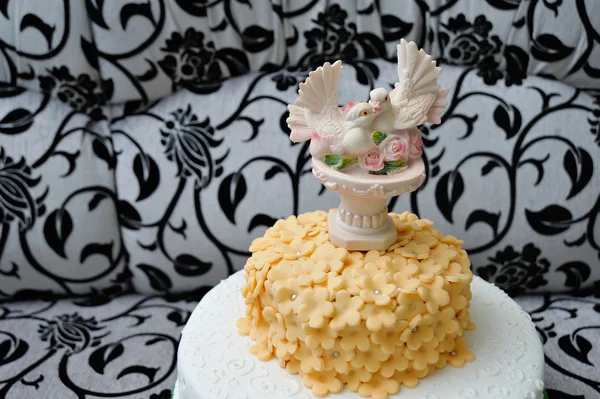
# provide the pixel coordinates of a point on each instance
(215, 362)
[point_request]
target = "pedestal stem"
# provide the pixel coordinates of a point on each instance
(364, 213)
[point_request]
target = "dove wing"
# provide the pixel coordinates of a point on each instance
(316, 109)
(416, 98)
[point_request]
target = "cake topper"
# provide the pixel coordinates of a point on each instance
(368, 151)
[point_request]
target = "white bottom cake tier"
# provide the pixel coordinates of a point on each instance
(214, 361)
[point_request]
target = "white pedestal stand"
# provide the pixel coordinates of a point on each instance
(362, 222)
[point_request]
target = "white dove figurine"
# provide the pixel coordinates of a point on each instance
(316, 116)
(416, 97)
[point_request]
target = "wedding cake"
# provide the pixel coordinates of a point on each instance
(358, 300)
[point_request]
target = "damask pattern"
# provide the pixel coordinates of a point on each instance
(128, 157)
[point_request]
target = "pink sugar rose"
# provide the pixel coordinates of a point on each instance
(416, 144)
(396, 147)
(372, 160)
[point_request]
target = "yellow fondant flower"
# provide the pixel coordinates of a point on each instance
(428, 269)
(446, 323)
(368, 270)
(379, 387)
(309, 362)
(385, 264)
(350, 285)
(292, 365)
(378, 317)
(335, 282)
(323, 383)
(434, 294)
(355, 338)
(275, 320)
(314, 306)
(286, 293)
(332, 256)
(405, 283)
(418, 331)
(456, 273)
(347, 311)
(265, 258)
(426, 238)
(410, 377)
(460, 354)
(262, 243)
(414, 249)
(451, 240)
(443, 254)
(262, 350)
(371, 360)
(355, 376)
(389, 338)
(404, 231)
(371, 257)
(409, 305)
(424, 356)
(294, 332)
(354, 259)
(289, 229)
(323, 337)
(296, 249)
(464, 319)
(283, 271)
(337, 359)
(243, 326)
(320, 238)
(422, 224)
(441, 362)
(311, 219)
(261, 277)
(448, 343)
(311, 273)
(396, 362)
(377, 289)
(283, 347)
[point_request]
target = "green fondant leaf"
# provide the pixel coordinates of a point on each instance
(392, 166)
(378, 136)
(338, 162)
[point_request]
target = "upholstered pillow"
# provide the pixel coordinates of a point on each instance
(59, 231)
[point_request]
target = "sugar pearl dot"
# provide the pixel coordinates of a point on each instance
(452, 353)
(414, 330)
(293, 297)
(298, 253)
(336, 354)
(377, 292)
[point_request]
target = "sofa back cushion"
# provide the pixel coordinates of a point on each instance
(59, 232)
(135, 53)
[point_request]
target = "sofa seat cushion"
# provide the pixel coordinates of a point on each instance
(75, 348)
(127, 347)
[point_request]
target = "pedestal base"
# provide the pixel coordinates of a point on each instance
(361, 239)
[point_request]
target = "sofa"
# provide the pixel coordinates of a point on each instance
(143, 146)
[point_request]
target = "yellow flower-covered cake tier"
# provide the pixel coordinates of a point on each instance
(371, 321)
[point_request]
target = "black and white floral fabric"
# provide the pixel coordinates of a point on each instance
(144, 145)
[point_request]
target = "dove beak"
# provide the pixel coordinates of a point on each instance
(376, 105)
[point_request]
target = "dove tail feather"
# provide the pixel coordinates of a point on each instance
(298, 122)
(417, 70)
(438, 106)
(318, 93)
